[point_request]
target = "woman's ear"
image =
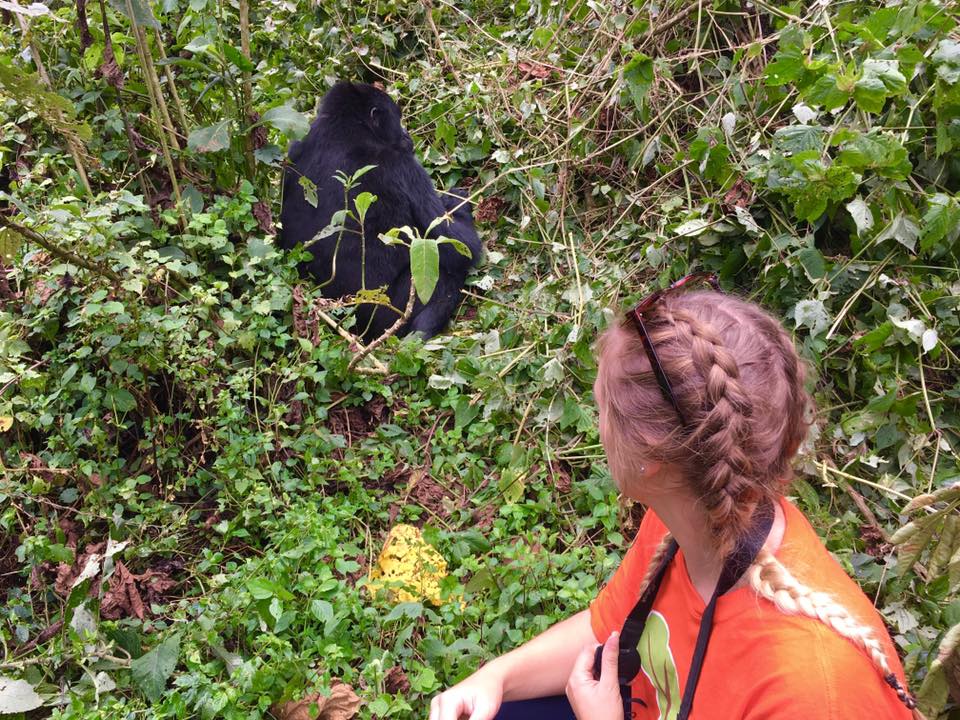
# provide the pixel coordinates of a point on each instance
(648, 469)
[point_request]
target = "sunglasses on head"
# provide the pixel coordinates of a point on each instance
(636, 315)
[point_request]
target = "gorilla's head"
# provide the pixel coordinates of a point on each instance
(369, 114)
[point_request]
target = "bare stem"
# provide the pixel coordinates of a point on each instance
(392, 330)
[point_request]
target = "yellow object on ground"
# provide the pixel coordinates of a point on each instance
(408, 567)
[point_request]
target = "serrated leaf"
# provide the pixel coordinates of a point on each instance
(879, 80)
(902, 229)
(424, 266)
(799, 138)
(786, 66)
(813, 263)
(152, 670)
(212, 138)
(941, 221)
(638, 74)
(811, 314)
(17, 696)
(947, 61)
(287, 120)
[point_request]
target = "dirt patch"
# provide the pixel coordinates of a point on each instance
(875, 544)
(358, 422)
(9, 567)
(489, 209)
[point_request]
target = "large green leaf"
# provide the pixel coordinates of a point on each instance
(211, 138)
(152, 670)
(880, 80)
(287, 120)
(424, 266)
(142, 13)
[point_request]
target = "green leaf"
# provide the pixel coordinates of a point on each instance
(309, 190)
(638, 74)
(287, 120)
(902, 229)
(17, 696)
(263, 589)
(786, 66)
(799, 138)
(879, 80)
(947, 61)
(237, 58)
(121, 399)
(940, 222)
(362, 202)
(142, 13)
(424, 266)
(211, 138)
(826, 93)
(152, 670)
(879, 152)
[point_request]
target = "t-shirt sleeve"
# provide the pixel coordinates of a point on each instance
(617, 598)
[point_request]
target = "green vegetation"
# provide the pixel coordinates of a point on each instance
(195, 481)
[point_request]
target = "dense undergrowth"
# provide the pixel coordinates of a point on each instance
(194, 482)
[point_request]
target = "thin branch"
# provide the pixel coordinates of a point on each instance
(54, 249)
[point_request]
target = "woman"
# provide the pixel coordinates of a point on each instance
(728, 604)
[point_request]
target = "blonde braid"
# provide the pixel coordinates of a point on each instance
(773, 581)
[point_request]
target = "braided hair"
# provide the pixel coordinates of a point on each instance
(739, 382)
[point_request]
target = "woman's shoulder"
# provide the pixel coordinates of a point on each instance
(804, 669)
(803, 553)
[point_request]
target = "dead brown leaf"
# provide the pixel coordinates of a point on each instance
(528, 69)
(342, 704)
(396, 681)
(122, 598)
(264, 215)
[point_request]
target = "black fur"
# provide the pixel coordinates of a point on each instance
(360, 125)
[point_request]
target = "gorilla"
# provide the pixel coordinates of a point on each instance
(359, 126)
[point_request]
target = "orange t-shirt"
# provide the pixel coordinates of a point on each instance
(760, 663)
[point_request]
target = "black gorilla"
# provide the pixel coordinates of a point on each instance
(359, 125)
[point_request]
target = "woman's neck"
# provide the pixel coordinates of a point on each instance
(688, 523)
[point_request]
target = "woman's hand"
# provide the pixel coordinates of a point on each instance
(595, 699)
(478, 697)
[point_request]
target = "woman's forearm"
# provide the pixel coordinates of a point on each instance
(542, 666)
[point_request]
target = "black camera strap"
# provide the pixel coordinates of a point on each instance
(736, 564)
